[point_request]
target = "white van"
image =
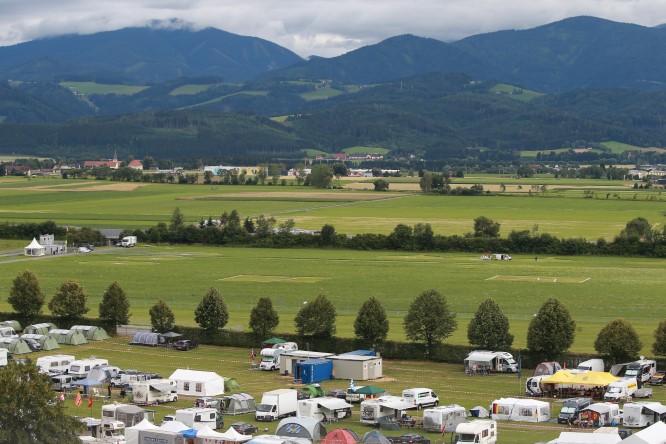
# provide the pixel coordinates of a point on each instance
(55, 364)
(481, 431)
(420, 397)
(62, 383)
(621, 390)
(80, 368)
(591, 365)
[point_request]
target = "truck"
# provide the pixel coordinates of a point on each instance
(80, 368)
(197, 417)
(270, 358)
(54, 364)
(481, 431)
(155, 391)
(621, 390)
(160, 436)
(441, 418)
(643, 414)
(128, 241)
(277, 404)
(490, 361)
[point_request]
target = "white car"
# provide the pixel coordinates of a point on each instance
(84, 250)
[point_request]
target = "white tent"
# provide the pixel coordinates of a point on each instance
(587, 438)
(209, 436)
(528, 410)
(197, 383)
(655, 434)
(173, 426)
(132, 433)
(34, 249)
(207, 432)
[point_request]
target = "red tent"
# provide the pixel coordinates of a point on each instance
(339, 436)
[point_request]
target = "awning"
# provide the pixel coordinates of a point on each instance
(657, 408)
(561, 377)
(598, 408)
(162, 387)
(397, 405)
(369, 390)
(597, 379)
(333, 403)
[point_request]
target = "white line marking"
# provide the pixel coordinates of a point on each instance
(494, 277)
(584, 280)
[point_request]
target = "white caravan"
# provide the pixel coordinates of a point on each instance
(420, 397)
(80, 368)
(155, 391)
(55, 364)
(481, 431)
(443, 418)
(324, 409)
(643, 414)
(198, 417)
(389, 407)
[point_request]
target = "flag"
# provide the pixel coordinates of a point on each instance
(62, 396)
(519, 364)
(351, 385)
(77, 401)
(90, 402)
(252, 355)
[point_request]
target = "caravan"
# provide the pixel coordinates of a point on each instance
(388, 407)
(79, 369)
(643, 414)
(55, 364)
(198, 417)
(325, 409)
(494, 361)
(155, 391)
(600, 414)
(438, 419)
(481, 431)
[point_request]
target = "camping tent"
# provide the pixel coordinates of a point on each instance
(173, 426)
(374, 437)
(268, 343)
(238, 404)
(314, 390)
(339, 436)
(479, 412)
(68, 337)
(16, 325)
(132, 433)
(547, 368)
(147, 338)
(15, 346)
(370, 390)
(7, 332)
(560, 377)
(528, 410)
(46, 341)
(197, 383)
(231, 385)
(593, 379)
(39, 329)
(651, 435)
(91, 332)
(301, 427)
(34, 249)
(587, 438)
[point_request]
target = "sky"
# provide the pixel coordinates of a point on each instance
(313, 27)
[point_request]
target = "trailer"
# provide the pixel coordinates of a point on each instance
(324, 409)
(383, 408)
(54, 364)
(442, 418)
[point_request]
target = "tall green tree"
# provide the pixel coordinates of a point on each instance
(327, 236)
(371, 323)
(485, 227)
(489, 328)
(212, 313)
(177, 219)
(28, 413)
(551, 331)
(161, 317)
(115, 305)
(618, 341)
(26, 296)
(429, 320)
(424, 238)
(69, 301)
(264, 319)
(316, 318)
(659, 346)
(321, 176)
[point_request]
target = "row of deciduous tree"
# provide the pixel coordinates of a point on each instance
(429, 320)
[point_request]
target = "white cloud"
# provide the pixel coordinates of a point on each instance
(314, 27)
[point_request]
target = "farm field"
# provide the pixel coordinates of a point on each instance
(447, 380)
(595, 289)
(102, 204)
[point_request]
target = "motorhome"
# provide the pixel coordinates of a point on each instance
(494, 361)
(198, 417)
(324, 409)
(55, 364)
(388, 407)
(570, 411)
(642, 370)
(481, 431)
(441, 418)
(601, 414)
(270, 358)
(420, 397)
(62, 382)
(591, 365)
(643, 414)
(98, 431)
(128, 414)
(155, 391)
(621, 390)
(80, 368)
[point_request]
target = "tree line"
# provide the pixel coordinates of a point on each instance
(429, 320)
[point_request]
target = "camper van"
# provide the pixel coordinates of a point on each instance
(494, 361)
(125, 378)
(420, 397)
(481, 431)
(324, 409)
(621, 390)
(197, 417)
(62, 383)
(642, 370)
(155, 391)
(643, 414)
(441, 418)
(389, 407)
(80, 368)
(270, 358)
(98, 431)
(55, 364)
(571, 409)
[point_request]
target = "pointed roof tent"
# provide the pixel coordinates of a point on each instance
(547, 368)
(374, 437)
(340, 436)
(271, 342)
(301, 427)
(231, 385)
(68, 337)
(39, 329)
(91, 332)
(46, 341)
(132, 433)
(34, 249)
(15, 346)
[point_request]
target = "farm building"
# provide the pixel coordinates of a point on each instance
(39, 329)
(512, 409)
(91, 332)
(68, 337)
(197, 383)
(289, 359)
(46, 341)
(15, 346)
(16, 325)
(357, 367)
(313, 370)
(238, 404)
(147, 338)
(301, 427)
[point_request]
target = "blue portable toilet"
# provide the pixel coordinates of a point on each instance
(361, 353)
(313, 370)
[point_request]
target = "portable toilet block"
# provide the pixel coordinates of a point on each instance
(314, 370)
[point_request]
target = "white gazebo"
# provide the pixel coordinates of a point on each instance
(34, 249)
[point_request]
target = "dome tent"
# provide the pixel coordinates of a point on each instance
(16, 325)
(147, 338)
(339, 436)
(91, 332)
(15, 346)
(46, 341)
(301, 427)
(238, 404)
(68, 337)
(40, 329)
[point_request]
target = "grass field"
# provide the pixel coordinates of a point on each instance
(189, 89)
(525, 95)
(596, 289)
(89, 88)
(447, 380)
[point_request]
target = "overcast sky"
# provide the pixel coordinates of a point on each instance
(314, 27)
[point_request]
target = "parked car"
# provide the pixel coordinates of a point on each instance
(185, 344)
(337, 393)
(33, 344)
(659, 378)
(245, 428)
(409, 438)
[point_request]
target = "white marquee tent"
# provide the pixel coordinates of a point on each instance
(197, 383)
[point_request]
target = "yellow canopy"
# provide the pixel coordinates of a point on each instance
(560, 377)
(596, 379)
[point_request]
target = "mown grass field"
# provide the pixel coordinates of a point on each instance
(596, 289)
(447, 380)
(89, 88)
